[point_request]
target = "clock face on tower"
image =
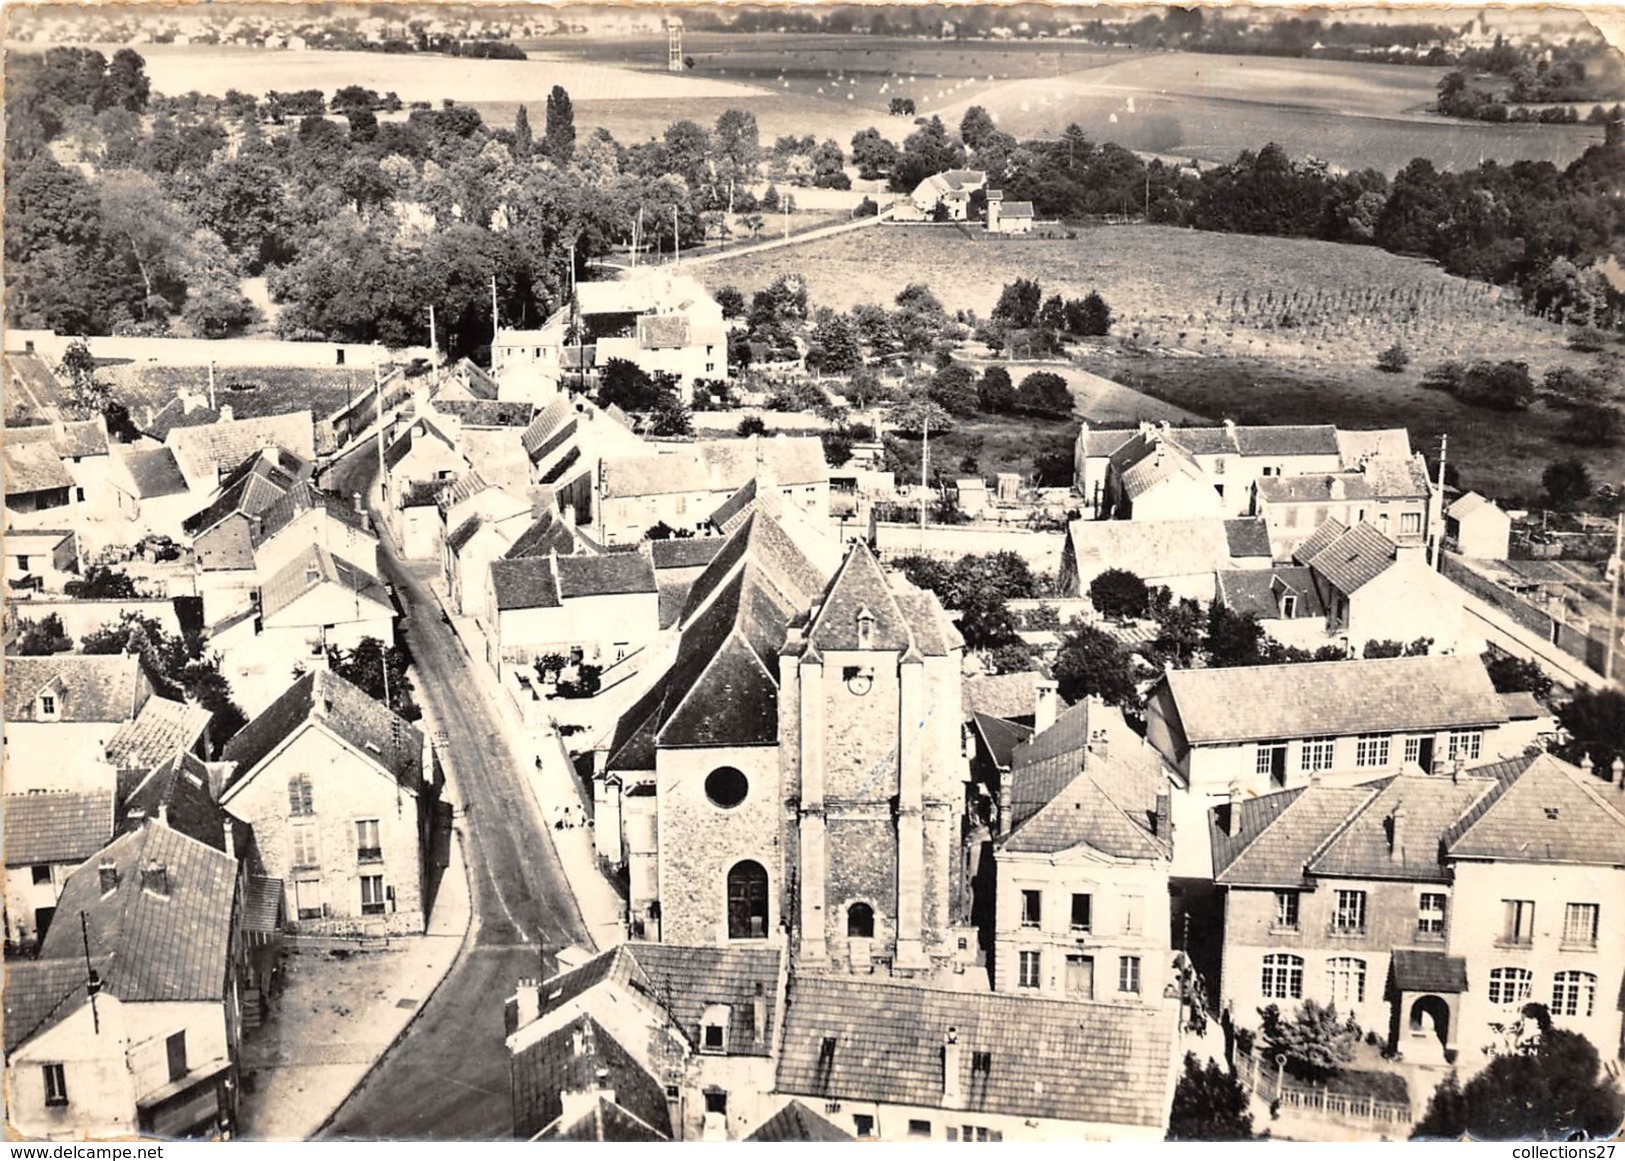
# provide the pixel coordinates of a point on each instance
(859, 680)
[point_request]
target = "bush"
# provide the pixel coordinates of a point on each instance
(752, 425)
(1119, 593)
(867, 208)
(1394, 360)
(1595, 425)
(1588, 339)
(1209, 1105)
(1044, 393)
(1567, 483)
(1315, 1042)
(1515, 675)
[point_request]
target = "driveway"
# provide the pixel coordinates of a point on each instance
(448, 1078)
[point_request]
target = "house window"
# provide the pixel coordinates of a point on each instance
(1032, 908)
(1316, 753)
(1283, 977)
(47, 706)
(56, 1085)
(1520, 921)
(175, 1050)
(41, 874)
(1270, 762)
(863, 1125)
(860, 921)
(1345, 979)
(1080, 977)
(1430, 913)
(367, 846)
(1580, 924)
(715, 1038)
(1131, 914)
(1286, 910)
(1350, 913)
(300, 801)
(919, 1130)
(1510, 985)
(1128, 974)
(22, 564)
(1467, 743)
(1573, 993)
(306, 849)
(1029, 969)
(747, 901)
(1413, 750)
(1371, 750)
(372, 894)
(1289, 605)
(307, 896)
(1410, 523)
(1082, 912)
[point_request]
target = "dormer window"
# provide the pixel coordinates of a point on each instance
(46, 706)
(866, 628)
(714, 1028)
(1289, 605)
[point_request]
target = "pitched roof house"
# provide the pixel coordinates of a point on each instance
(61, 714)
(48, 835)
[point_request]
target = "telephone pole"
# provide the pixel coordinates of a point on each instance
(1435, 523)
(925, 487)
(1615, 566)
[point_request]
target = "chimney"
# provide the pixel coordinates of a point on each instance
(108, 870)
(355, 501)
(1334, 487)
(1586, 765)
(953, 1093)
(163, 813)
(1046, 696)
(528, 1001)
(1098, 744)
(1230, 428)
(1457, 766)
(1004, 803)
(1396, 835)
(225, 413)
(1233, 820)
(229, 835)
(155, 878)
(1619, 771)
(1162, 825)
(758, 1014)
(568, 512)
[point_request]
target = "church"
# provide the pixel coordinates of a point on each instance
(797, 775)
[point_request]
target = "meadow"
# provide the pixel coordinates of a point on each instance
(1283, 330)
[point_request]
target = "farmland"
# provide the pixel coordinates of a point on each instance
(1256, 328)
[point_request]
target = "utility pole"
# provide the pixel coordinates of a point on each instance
(637, 237)
(496, 321)
(1615, 566)
(1438, 532)
(925, 487)
(92, 984)
(211, 385)
(676, 243)
(434, 345)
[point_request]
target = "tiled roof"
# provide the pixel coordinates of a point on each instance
(1163, 462)
(548, 534)
(1391, 443)
(202, 451)
(612, 574)
(458, 538)
(768, 550)
(262, 905)
(1248, 537)
(1005, 695)
(88, 687)
(1550, 813)
(1329, 532)
(1428, 971)
(1428, 805)
(422, 428)
(164, 947)
(1334, 698)
(526, 583)
(717, 466)
(473, 376)
(1101, 443)
(854, 1039)
(796, 1122)
(687, 980)
(73, 437)
(1469, 503)
(1150, 549)
(155, 473)
(487, 412)
(687, 552)
(550, 427)
(735, 507)
(466, 485)
(576, 1057)
(36, 378)
(320, 697)
(1354, 559)
(673, 596)
(1257, 591)
(1016, 210)
(306, 497)
(1280, 832)
(605, 1121)
(655, 475)
(40, 993)
(252, 487)
(59, 827)
(1522, 706)
(314, 567)
(1286, 440)
(159, 731)
(175, 414)
(1380, 479)
(862, 588)
(34, 468)
(178, 788)
(1001, 737)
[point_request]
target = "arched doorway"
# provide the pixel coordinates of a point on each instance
(747, 901)
(1430, 1016)
(860, 921)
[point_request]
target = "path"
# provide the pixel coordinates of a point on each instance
(777, 243)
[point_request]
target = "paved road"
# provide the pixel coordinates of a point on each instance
(448, 1078)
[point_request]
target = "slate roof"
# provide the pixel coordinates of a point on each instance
(202, 451)
(306, 497)
(548, 534)
(526, 583)
(466, 485)
(1016, 210)
(179, 787)
(1001, 737)
(1355, 559)
(1428, 971)
(34, 468)
(1523, 706)
(548, 428)
(847, 1038)
(541, 1071)
(1257, 591)
(1150, 548)
(772, 557)
(41, 993)
(1380, 479)
(155, 473)
(458, 538)
(1551, 812)
(655, 475)
(658, 332)
(475, 379)
(612, 574)
(606, 1121)
(735, 506)
(1247, 537)
(1280, 832)
(1390, 443)
(159, 731)
(861, 587)
(252, 487)
(1100, 443)
(36, 378)
(163, 948)
(1430, 805)
(686, 980)
(73, 437)
(175, 414)
(89, 687)
(315, 567)
(796, 1122)
(1286, 440)
(688, 552)
(1334, 698)
(59, 827)
(323, 698)
(1005, 695)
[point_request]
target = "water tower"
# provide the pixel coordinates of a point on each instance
(674, 44)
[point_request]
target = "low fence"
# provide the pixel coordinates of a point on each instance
(1271, 1084)
(1575, 642)
(1041, 550)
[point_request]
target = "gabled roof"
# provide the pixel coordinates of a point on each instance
(1390, 443)
(856, 1039)
(175, 414)
(36, 378)
(34, 468)
(605, 1121)
(1378, 479)
(40, 994)
(720, 465)
(1010, 696)
(548, 534)
(473, 376)
(1259, 590)
(162, 729)
(1551, 812)
(768, 551)
(733, 510)
(1428, 804)
(368, 727)
(1001, 737)
(164, 947)
(1102, 443)
(1334, 698)
(687, 980)
(59, 827)
(1279, 833)
(88, 687)
(1327, 534)
(550, 427)
(466, 485)
(1151, 549)
(70, 438)
(1428, 971)
(178, 790)
(252, 487)
(657, 332)
(1247, 537)
(1163, 462)
(155, 473)
(610, 574)
(457, 539)
(202, 451)
(486, 412)
(1355, 559)
(1016, 209)
(796, 1122)
(306, 497)
(526, 583)
(685, 552)
(862, 589)
(316, 567)
(423, 428)
(580, 1056)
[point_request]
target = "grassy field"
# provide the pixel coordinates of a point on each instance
(1208, 311)
(250, 391)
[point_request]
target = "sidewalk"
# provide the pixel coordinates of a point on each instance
(553, 789)
(344, 1005)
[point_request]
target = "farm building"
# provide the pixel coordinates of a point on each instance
(1480, 528)
(1008, 217)
(951, 190)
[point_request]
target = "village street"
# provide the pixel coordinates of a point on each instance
(448, 1077)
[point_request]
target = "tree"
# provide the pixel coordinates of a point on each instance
(953, 388)
(1118, 593)
(41, 638)
(1567, 483)
(87, 395)
(1511, 674)
(127, 85)
(996, 395)
(873, 154)
(671, 416)
(1232, 638)
(1210, 1104)
(835, 346)
(215, 304)
(1180, 626)
(731, 301)
(926, 151)
(1016, 657)
(752, 425)
(1018, 303)
(1044, 393)
(1315, 1041)
(1095, 317)
(736, 147)
(837, 443)
(1394, 359)
(1595, 723)
(1090, 661)
(366, 666)
(976, 127)
(628, 386)
(101, 583)
(916, 415)
(559, 135)
(1595, 425)
(524, 140)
